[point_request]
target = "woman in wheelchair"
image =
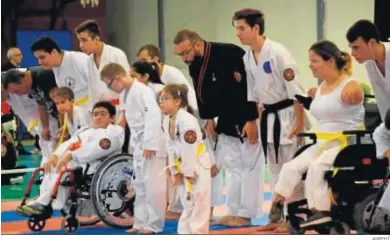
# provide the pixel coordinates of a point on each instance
(86, 146)
(335, 112)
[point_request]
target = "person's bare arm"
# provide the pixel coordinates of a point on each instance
(44, 117)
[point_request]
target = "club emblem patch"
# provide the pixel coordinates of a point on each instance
(237, 76)
(190, 137)
(289, 74)
(70, 82)
(105, 143)
(267, 67)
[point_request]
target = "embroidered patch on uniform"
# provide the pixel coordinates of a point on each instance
(289, 74)
(70, 82)
(237, 76)
(105, 143)
(190, 137)
(214, 78)
(267, 67)
(203, 134)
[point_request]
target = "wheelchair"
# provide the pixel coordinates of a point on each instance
(354, 186)
(107, 196)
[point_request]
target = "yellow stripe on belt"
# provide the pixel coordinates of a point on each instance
(330, 137)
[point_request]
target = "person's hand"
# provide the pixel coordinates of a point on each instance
(214, 171)
(52, 161)
(250, 130)
(297, 128)
(210, 128)
(387, 154)
(61, 132)
(61, 164)
(260, 109)
(3, 150)
(312, 92)
(148, 154)
(178, 179)
(45, 134)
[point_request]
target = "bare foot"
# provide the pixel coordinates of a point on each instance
(222, 221)
(169, 215)
(282, 228)
(238, 222)
(270, 227)
(146, 231)
(133, 230)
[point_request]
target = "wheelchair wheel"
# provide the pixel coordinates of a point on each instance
(112, 191)
(293, 226)
(85, 213)
(340, 228)
(361, 216)
(36, 225)
(70, 225)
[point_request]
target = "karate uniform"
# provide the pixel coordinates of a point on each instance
(143, 116)
(273, 82)
(74, 73)
(380, 84)
(27, 110)
(172, 75)
(98, 90)
(382, 140)
(97, 144)
(220, 82)
(188, 148)
(333, 116)
(81, 118)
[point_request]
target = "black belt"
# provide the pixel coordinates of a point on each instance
(268, 109)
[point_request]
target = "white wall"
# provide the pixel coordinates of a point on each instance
(133, 23)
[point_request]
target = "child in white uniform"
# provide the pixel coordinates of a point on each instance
(189, 160)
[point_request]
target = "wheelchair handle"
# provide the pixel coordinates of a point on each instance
(312, 136)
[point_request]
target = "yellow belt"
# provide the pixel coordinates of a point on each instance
(32, 125)
(330, 137)
(82, 101)
(199, 151)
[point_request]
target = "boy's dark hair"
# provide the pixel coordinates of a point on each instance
(11, 76)
(107, 105)
(152, 49)
(90, 26)
(46, 44)
(364, 29)
(251, 17)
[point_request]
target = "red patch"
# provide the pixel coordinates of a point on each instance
(105, 143)
(237, 76)
(190, 137)
(289, 74)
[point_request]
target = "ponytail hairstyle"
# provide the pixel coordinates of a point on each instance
(143, 67)
(327, 50)
(179, 91)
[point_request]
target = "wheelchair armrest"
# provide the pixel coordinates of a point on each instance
(312, 136)
(358, 133)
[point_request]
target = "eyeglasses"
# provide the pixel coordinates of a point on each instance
(163, 99)
(186, 53)
(109, 85)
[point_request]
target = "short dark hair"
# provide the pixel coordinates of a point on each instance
(46, 44)
(152, 49)
(13, 76)
(364, 29)
(90, 26)
(107, 105)
(251, 17)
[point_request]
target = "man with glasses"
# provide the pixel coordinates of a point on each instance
(218, 74)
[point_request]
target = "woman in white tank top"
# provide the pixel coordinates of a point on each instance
(337, 106)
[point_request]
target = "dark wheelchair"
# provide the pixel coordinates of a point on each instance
(106, 195)
(356, 183)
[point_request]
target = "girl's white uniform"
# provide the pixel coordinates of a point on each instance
(81, 118)
(189, 149)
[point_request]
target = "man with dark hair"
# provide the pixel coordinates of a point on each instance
(90, 42)
(364, 40)
(70, 68)
(218, 74)
(273, 82)
(88, 146)
(27, 90)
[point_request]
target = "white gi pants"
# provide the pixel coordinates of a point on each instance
(286, 154)
(47, 146)
(195, 218)
(316, 188)
(150, 188)
(384, 203)
(244, 164)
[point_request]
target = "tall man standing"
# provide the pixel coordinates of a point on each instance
(218, 73)
(273, 82)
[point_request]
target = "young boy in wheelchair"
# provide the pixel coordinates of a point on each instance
(87, 147)
(382, 140)
(335, 113)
